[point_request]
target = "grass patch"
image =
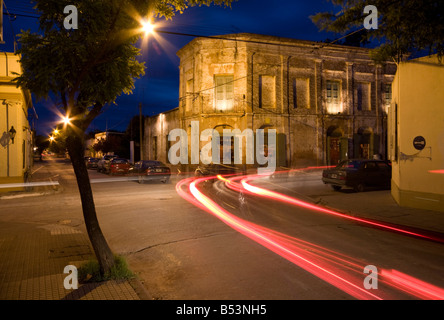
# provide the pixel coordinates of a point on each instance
(90, 271)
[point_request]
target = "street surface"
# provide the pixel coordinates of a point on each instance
(237, 245)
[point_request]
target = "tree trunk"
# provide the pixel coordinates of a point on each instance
(103, 252)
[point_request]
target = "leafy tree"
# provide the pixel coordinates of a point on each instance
(112, 143)
(404, 26)
(57, 142)
(41, 143)
(58, 146)
(87, 68)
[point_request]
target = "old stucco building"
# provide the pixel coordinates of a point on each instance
(326, 102)
(416, 134)
(15, 130)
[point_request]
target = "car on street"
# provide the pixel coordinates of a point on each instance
(151, 170)
(37, 156)
(91, 162)
(359, 174)
(213, 169)
(104, 163)
(119, 166)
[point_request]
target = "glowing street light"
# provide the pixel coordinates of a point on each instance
(147, 27)
(51, 138)
(66, 120)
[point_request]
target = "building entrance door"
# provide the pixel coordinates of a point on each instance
(335, 150)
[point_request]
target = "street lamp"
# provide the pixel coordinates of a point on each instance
(147, 27)
(66, 120)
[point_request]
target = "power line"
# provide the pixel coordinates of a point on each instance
(223, 37)
(20, 15)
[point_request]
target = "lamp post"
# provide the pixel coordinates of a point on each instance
(148, 28)
(140, 131)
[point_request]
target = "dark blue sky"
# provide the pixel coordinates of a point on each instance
(158, 89)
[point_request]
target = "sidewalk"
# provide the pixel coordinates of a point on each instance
(33, 256)
(32, 260)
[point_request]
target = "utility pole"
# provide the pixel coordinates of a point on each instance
(140, 129)
(1, 24)
(131, 142)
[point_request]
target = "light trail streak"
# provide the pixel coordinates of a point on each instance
(245, 185)
(317, 265)
(437, 171)
(414, 286)
(326, 264)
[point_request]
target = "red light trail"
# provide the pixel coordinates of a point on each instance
(341, 271)
(245, 186)
(437, 171)
(276, 243)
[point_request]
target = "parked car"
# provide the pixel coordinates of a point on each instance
(119, 166)
(359, 174)
(151, 170)
(214, 169)
(37, 156)
(91, 163)
(103, 164)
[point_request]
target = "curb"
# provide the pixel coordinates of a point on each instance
(140, 289)
(26, 194)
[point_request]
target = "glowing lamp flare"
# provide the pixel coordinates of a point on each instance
(66, 120)
(147, 27)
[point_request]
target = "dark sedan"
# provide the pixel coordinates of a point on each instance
(151, 170)
(214, 169)
(359, 174)
(91, 163)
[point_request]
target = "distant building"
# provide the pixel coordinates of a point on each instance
(416, 134)
(326, 102)
(15, 132)
(90, 144)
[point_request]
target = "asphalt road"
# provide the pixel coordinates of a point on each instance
(180, 251)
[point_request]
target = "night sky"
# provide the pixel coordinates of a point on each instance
(158, 90)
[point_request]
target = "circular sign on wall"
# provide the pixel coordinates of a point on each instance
(419, 143)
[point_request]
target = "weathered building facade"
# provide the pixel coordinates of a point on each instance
(15, 130)
(326, 102)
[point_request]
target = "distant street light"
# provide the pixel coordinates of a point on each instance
(66, 120)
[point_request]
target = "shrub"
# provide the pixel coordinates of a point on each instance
(90, 271)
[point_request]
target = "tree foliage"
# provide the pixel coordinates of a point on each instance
(87, 68)
(91, 66)
(113, 143)
(404, 26)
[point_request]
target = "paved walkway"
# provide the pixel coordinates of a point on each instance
(32, 260)
(33, 257)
